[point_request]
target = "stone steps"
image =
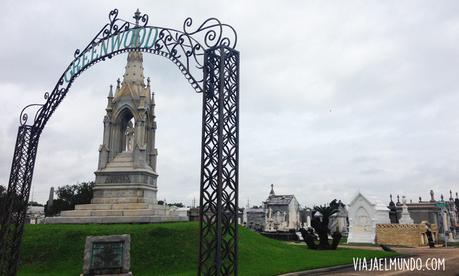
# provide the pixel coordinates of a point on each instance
(115, 212)
(117, 206)
(113, 219)
(122, 160)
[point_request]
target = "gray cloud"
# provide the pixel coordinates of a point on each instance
(335, 97)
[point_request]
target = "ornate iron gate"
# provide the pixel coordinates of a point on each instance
(209, 50)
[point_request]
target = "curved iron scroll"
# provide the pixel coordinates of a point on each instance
(184, 48)
(206, 57)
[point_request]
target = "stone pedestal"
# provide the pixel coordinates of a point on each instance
(123, 179)
(122, 194)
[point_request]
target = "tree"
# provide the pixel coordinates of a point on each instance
(70, 195)
(178, 204)
(320, 226)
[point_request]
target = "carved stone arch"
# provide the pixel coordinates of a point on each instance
(125, 107)
(119, 125)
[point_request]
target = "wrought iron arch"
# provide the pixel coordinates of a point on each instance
(208, 49)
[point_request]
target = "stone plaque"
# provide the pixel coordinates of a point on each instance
(121, 178)
(107, 255)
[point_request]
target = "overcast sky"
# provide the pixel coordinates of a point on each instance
(336, 96)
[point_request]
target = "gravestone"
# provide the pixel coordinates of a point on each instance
(405, 219)
(107, 255)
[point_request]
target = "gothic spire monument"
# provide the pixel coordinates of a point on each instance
(127, 156)
(126, 179)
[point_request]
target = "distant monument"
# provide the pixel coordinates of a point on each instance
(51, 197)
(282, 212)
(405, 219)
(126, 179)
(338, 221)
(393, 215)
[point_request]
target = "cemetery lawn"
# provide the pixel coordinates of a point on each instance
(169, 249)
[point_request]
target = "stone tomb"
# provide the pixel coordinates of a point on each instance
(107, 255)
(363, 217)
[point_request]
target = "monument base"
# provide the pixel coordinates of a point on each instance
(117, 213)
(122, 194)
(111, 220)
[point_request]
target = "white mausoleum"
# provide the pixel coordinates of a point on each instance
(363, 217)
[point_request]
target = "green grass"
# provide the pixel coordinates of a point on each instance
(168, 249)
(362, 244)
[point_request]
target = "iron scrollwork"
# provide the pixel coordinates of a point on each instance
(184, 48)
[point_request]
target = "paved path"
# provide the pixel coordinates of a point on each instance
(424, 254)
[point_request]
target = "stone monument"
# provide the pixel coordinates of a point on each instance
(393, 215)
(126, 179)
(363, 217)
(405, 219)
(282, 212)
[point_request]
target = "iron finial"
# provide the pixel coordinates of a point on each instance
(137, 17)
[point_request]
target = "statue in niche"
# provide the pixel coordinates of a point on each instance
(129, 137)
